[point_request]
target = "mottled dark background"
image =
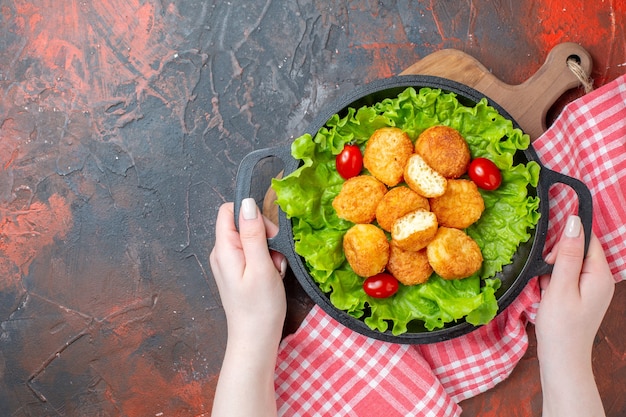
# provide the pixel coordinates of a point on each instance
(122, 124)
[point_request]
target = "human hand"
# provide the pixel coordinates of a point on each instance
(574, 298)
(573, 303)
(249, 275)
(250, 280)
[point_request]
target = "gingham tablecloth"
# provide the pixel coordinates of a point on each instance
(325, 369)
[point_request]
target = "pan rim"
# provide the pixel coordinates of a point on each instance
(454, 329)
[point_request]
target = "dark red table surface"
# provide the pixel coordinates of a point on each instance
(122, 124)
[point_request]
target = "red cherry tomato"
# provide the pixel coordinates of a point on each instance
(349, 162)
(381, 285)
(485, 174)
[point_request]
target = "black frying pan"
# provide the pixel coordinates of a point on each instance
(527, 262)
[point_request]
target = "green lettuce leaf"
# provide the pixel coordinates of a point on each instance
(510, 213)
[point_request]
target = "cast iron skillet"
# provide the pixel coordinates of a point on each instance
(527, 262)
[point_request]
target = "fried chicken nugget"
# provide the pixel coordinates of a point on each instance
(366, 249)
(386, 153)
(409, 267)
(453, 254)
(415, 230)
(445, 150)
(422, 178)
(358, 199)
(460, 206)
(396, 203)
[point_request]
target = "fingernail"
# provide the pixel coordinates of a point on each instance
(283, 268)
(573, 226)
(248, 208)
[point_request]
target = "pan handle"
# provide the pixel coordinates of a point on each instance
(281, 242)
(585, 212)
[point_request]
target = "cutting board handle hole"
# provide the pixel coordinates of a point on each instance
(574, 58)
(574, 64)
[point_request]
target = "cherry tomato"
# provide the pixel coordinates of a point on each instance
(485, 174)
(349, 162)
(381, 285)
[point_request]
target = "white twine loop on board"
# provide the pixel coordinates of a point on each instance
(580, 73)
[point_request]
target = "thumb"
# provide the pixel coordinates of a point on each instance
(569, 257)
(253, 235)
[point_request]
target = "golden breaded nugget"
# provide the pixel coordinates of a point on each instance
(453, 254)
(460, 206)
(366, 249)
(396, 203)
(415, 230)
(423, 179)
(358, 199)
(409, 267)
(386, 153)
(445, 150)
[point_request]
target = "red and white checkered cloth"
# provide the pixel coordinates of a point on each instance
(326, 369)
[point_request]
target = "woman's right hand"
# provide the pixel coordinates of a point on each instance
(575, 298)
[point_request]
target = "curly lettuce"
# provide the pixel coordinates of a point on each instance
(510, 213)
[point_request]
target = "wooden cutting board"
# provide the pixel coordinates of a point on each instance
(529, 102)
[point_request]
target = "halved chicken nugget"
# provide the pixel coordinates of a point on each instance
(445, 150)
(415, 230)
(396, 203)
(460, 206)
(422, 178)
(358, 199)
(453, 254)
(386, 153)
(409, 267)
(366, 249)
